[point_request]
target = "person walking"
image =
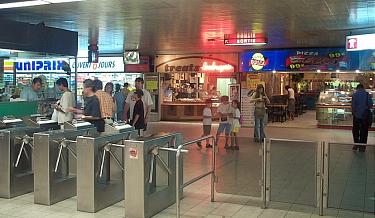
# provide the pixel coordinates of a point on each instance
(107, 105)
(130, 102)
(362, 116)
(260, 99)
(291, 102)
(66, 101)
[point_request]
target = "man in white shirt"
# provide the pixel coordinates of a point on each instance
(31, 93)
(291, 102)
(146, 99)
(67, 101)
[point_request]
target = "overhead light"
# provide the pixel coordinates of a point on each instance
(23, 4)
(274, 71)
(10, 50)
(337, 71)
(318, 71)
(357, 71)
(33, 3)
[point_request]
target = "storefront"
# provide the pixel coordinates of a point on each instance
(19, 73)
(312, 72)
(187, 81)
(108, 69)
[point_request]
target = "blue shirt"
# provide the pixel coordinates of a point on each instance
(361, 102)
(28, 94)
(120, 98)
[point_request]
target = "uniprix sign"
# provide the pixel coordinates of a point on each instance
(38, 65)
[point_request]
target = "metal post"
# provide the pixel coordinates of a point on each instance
(213, 174)
(178, 183)
(322, 174)
(264, 188)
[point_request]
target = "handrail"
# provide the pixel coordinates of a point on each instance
(292, 140)
(212, 171)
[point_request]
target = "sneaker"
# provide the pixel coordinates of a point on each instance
(199, 144)
(226, 147)
(208, 146)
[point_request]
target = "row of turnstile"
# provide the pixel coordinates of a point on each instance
(100, 169)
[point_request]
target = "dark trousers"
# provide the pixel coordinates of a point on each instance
(360, 131)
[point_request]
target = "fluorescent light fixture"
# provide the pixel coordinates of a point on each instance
(30, 3)
(10, 50)
(357, 71)
(23, 4)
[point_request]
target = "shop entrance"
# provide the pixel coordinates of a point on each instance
(222, 85)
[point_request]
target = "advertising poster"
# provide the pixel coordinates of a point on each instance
(306, 59)
(234, 92)
(247, 108)
(362, 60)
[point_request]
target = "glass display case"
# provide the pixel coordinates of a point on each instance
(333, 109)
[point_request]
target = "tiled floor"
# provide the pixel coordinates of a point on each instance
(244, 181)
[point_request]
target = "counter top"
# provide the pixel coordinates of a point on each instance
(335, 106)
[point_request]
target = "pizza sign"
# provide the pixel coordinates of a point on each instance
(258, 61)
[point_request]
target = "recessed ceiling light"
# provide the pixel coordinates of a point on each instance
(23, 4)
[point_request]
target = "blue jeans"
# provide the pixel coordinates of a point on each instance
(259, 128)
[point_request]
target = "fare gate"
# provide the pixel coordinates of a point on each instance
(55, 165)
(100, 180)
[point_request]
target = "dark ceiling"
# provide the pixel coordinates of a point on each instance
(197, 26)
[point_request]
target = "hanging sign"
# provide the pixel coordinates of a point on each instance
(105, 65)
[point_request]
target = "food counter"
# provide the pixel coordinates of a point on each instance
(183, 111)
(334, 110)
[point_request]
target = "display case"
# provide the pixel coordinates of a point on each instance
(333, 109)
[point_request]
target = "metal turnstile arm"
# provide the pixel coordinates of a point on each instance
(107, 148)
(64, 143)
(155, 154)
(26, 140)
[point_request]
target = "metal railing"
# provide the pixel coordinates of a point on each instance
(212, 172)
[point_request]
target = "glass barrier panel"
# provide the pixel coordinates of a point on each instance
(293, 170)
(351, 178)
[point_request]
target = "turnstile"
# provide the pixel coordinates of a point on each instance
(100, 169)
(55, 162)
(150, 174)
(16, 161)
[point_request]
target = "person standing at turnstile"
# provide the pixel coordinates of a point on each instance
(138, 120)
(67, 101)
(91, 111)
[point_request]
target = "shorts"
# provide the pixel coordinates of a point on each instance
(206, 129)
(224, 127)
(291, 105)
(235, 129)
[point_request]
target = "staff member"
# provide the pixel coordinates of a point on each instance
(31, 93)
(67, 101)
(146, 99)
(107, 105)
(91, 112)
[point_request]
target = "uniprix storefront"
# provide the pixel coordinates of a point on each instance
(188, 80)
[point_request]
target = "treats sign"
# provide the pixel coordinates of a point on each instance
(195, 64)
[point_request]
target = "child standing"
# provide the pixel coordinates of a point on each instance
(207, 122)
(138, 120)
(225, 114)
(235, 125)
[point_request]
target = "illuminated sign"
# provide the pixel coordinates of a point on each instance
(257, 61)
(105, 65)
(35, 65)
(360, 42)
(214, 67)
(245, 39)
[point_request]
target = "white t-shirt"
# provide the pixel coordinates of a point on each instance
(291, 93)
(67, 100)
(225, 109)
(146, 99)
(207, 113)
(236, 122)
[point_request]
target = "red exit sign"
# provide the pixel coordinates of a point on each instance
(245, 39)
